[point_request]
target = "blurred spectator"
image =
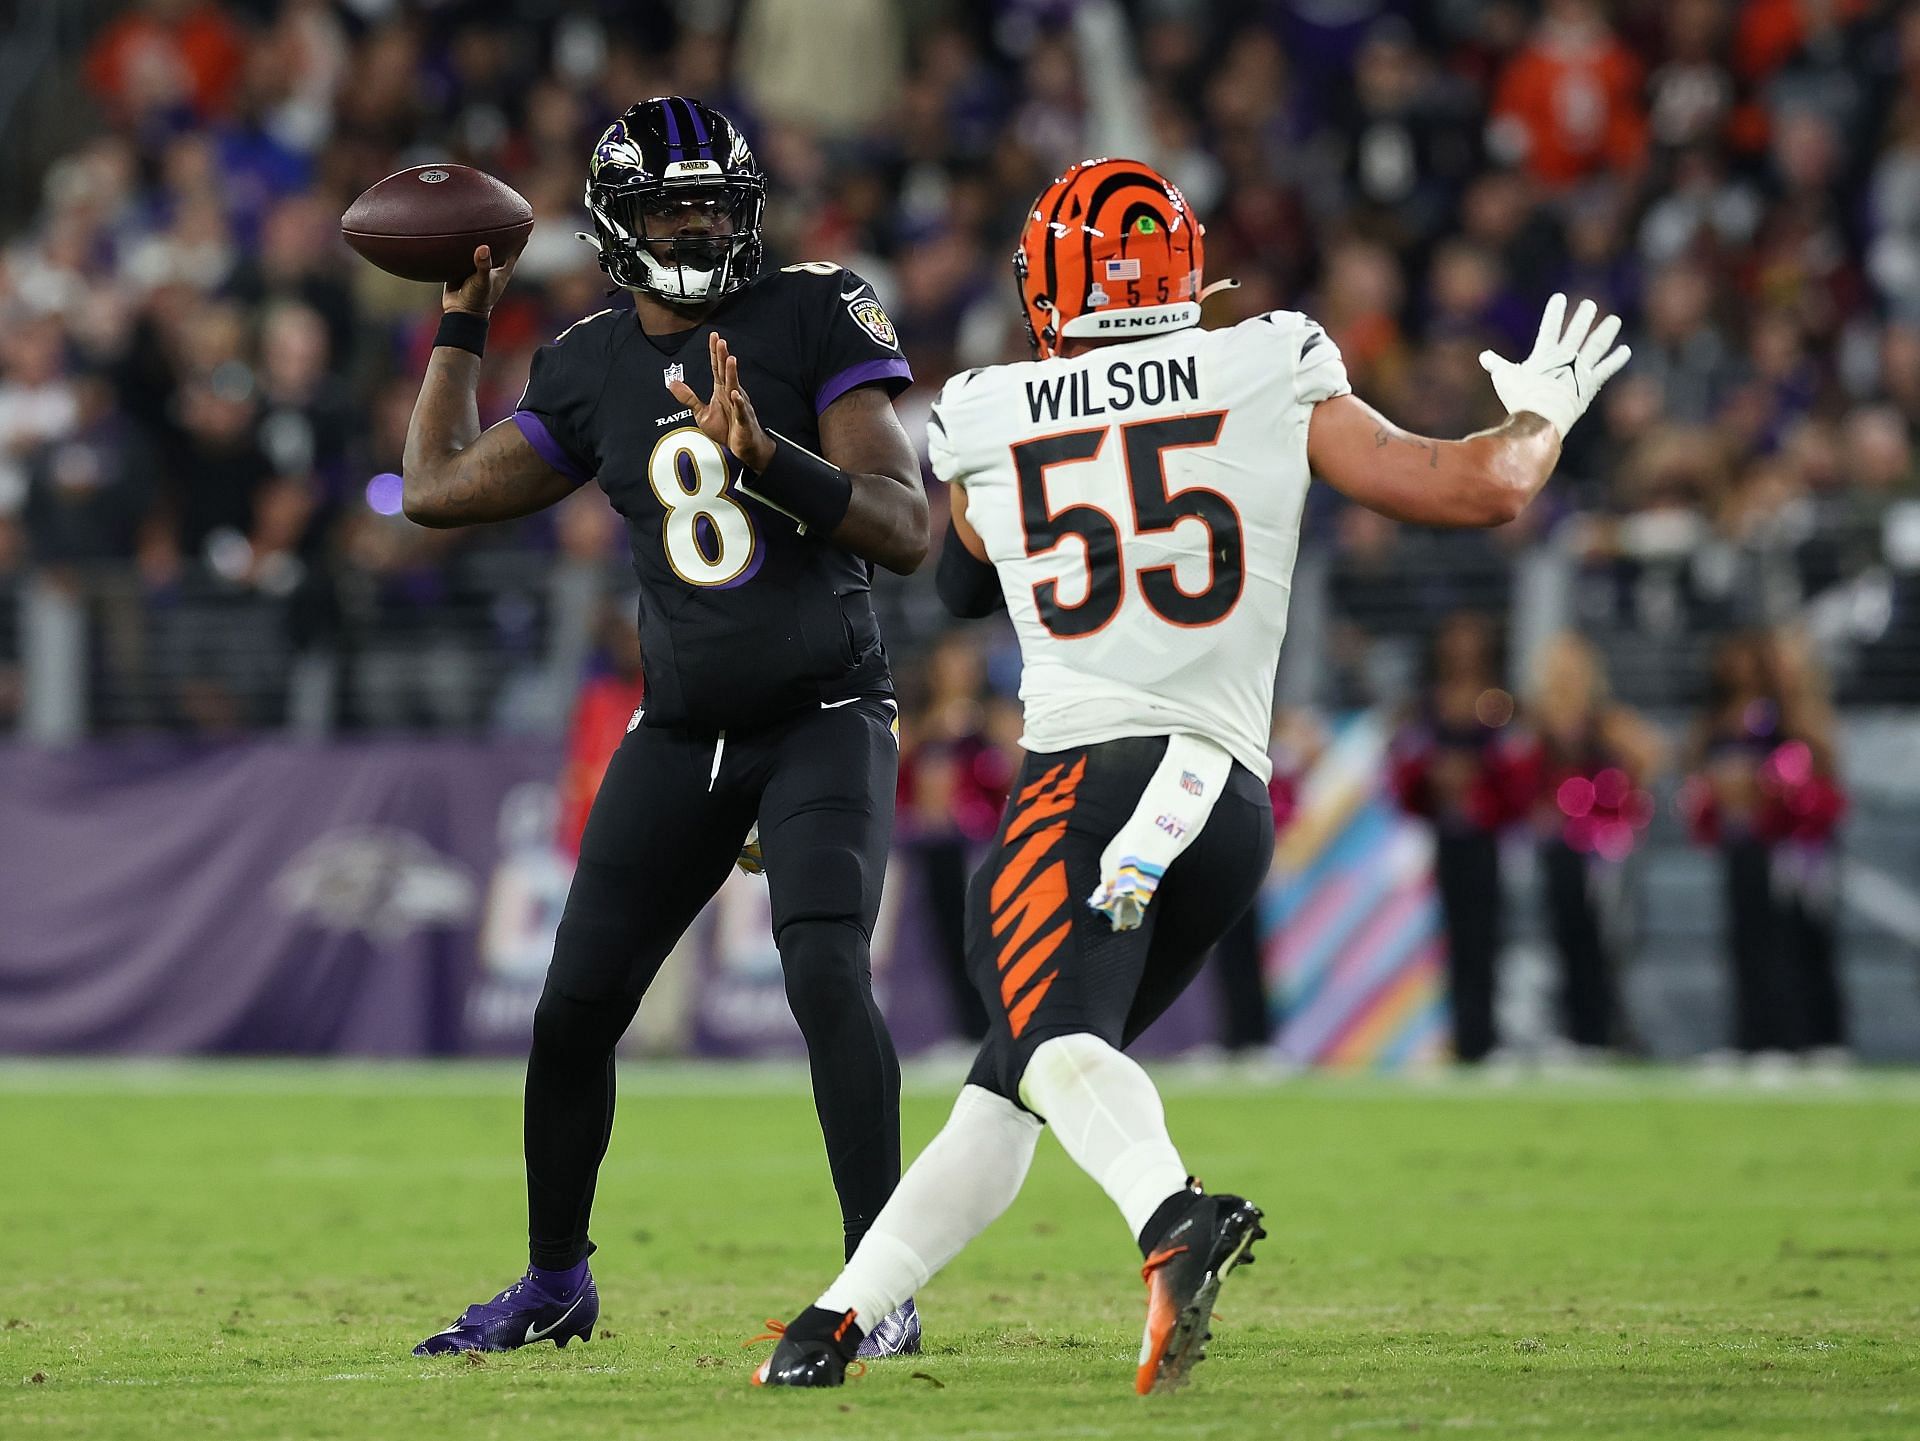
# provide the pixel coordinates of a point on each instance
(38, 403)
(1249, 1009)
(166, 62)
(1568, 105)
(1765, 790)
(1587, 761)
(1454, 765)
(605, 710)
(832, 69)
(954, 775)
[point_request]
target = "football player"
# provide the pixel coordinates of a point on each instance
(1133, 498)
(743, 424)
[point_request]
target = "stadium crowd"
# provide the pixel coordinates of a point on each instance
(201, 390)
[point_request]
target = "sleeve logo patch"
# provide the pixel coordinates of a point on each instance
(868, 315)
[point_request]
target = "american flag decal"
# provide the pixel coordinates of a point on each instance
(1123, 270)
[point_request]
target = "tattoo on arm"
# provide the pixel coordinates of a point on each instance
(1382, 435)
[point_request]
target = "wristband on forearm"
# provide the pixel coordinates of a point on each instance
(463, 330)
(968, 586)
(811, 489)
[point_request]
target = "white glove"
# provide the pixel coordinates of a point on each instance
(1559, 380)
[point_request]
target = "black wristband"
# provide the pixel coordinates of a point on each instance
(463, 330)
(968, 586)
(812, 490)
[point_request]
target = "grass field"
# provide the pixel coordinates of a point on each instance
(250, 1251)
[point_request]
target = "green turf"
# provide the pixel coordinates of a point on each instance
(242, 1252)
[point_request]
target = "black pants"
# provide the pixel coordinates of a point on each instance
(1782, 937)
(1466, 869)
(943, 882)
(662, 835)
(1046, 963)
(1813, 937)
(1246, 1015)
(1765, 1007)
(1579, 937)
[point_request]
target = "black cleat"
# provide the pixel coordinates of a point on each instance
(1185, 1266)
(813, 1350)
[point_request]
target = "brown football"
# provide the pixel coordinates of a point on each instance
(423, 223)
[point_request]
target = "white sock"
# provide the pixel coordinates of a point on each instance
(960, 1185)
(1107, 1114)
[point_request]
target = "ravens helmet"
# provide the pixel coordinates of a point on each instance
(664, 158)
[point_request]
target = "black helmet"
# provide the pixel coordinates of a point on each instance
(660, 153)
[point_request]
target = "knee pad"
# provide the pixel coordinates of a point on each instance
(1059, 1060)
(827, 969)
(574, 1030)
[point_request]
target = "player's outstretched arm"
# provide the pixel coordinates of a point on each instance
(454, 474)
(864, 495)
(1485, 479)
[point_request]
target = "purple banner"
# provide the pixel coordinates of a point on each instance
(385, 898)
(258, 897)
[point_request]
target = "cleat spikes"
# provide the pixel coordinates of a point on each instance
(1215, 1234)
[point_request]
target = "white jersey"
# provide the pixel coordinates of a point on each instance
(1141, 504)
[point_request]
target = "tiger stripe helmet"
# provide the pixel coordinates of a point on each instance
(1110, 252)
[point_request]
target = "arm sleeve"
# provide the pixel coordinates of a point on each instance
(855, 342)
(556, 411)
(969, 588)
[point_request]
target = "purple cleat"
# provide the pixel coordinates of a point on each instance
(556, 1306)
(897, 1334)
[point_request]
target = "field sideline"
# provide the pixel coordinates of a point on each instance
(249, 1250)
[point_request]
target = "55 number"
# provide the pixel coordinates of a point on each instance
(1156, 510)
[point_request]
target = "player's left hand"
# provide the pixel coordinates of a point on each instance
(1566, 369)
(727, 416)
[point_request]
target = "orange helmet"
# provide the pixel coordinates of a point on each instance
(1110, 252)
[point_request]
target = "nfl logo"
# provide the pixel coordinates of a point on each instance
(1192, 784)
(676, 371)
(1123, 270)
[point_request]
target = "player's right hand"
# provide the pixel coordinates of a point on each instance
(480, 291)
(1566, 369)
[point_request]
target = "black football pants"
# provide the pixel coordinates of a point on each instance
(1046, 963)
(664, 831)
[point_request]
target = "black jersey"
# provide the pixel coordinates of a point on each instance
(744, 618)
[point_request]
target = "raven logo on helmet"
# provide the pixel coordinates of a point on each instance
(1110, 249)
(661, 154)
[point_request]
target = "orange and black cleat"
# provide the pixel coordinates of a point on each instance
(1201, 1244)
(814, 1350)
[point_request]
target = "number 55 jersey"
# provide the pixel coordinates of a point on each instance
(1141, 503)
(744, 618)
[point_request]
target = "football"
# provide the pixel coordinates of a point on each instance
(423, 223)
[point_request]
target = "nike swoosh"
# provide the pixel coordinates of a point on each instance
(535, 1333)
(853, 294)
(836, 704)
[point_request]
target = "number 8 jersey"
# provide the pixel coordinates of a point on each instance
(1141, 503)
(743, 618)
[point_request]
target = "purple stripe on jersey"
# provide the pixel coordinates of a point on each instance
(864, 373)
(549, 449)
